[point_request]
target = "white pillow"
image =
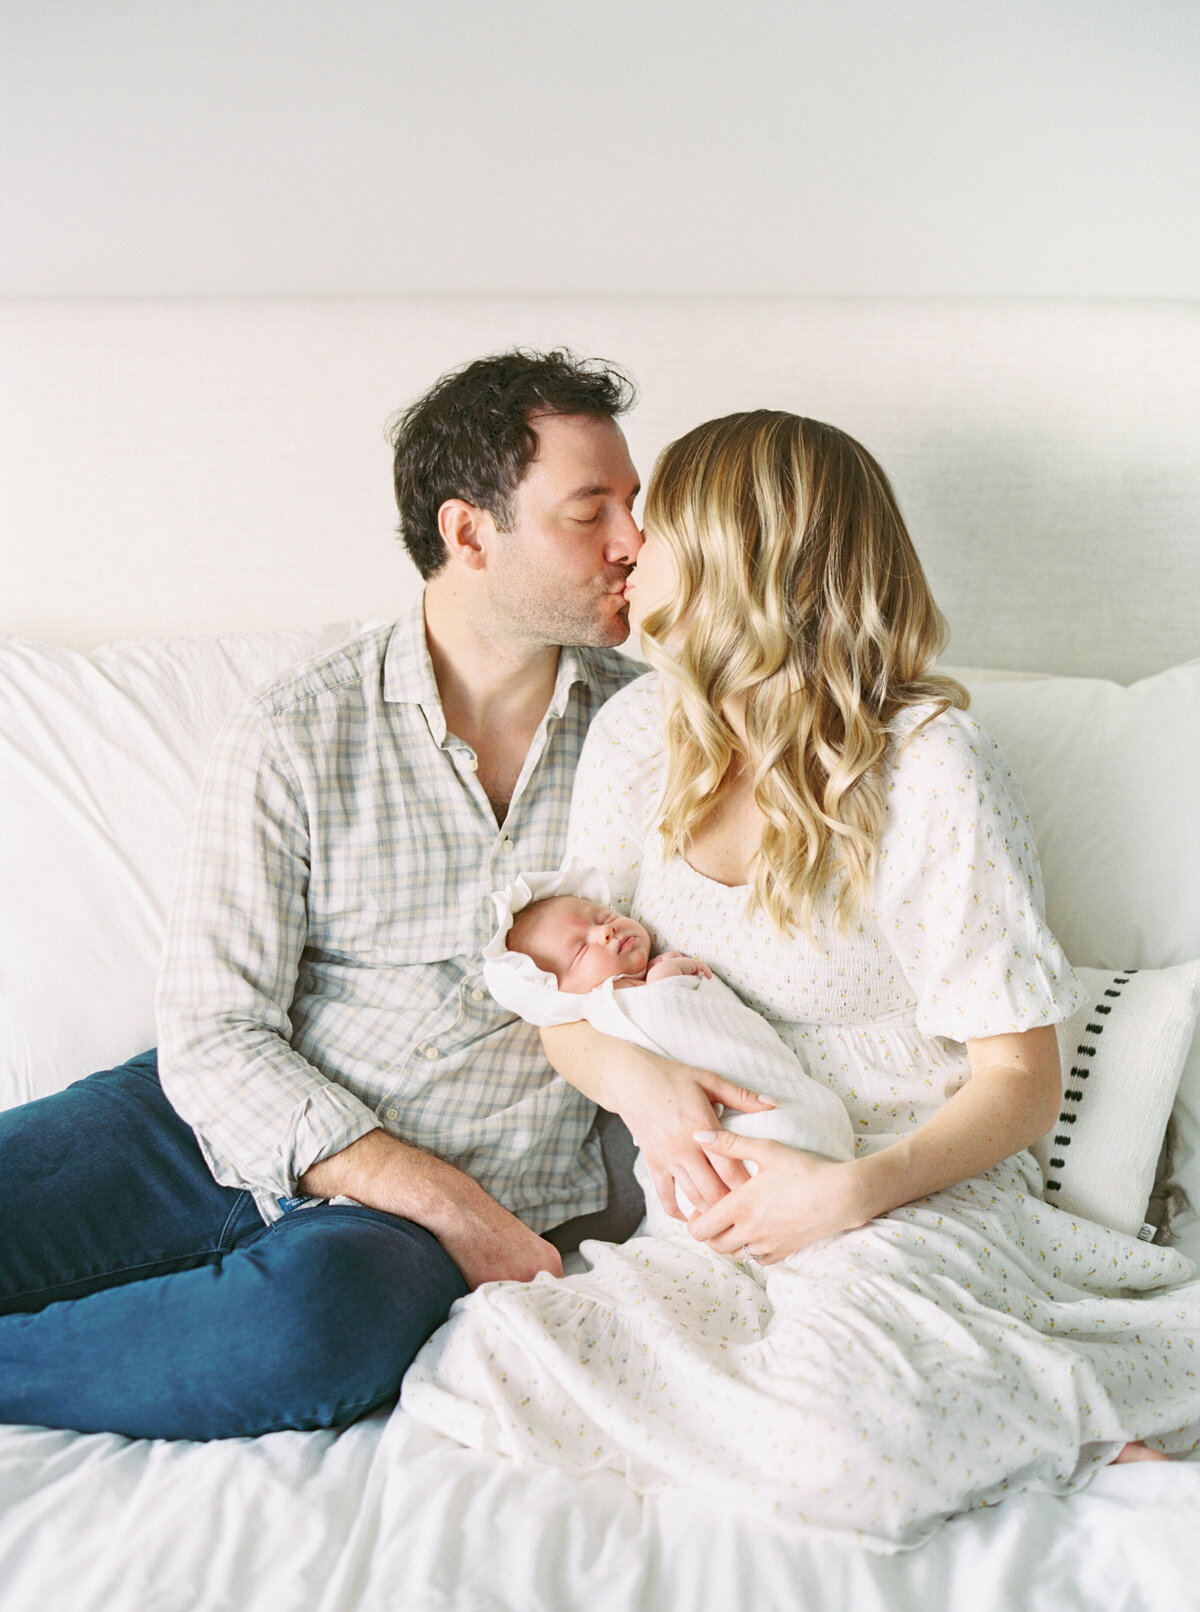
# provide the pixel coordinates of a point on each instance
(1111, 775)
(1122, 1055)
(100, 758)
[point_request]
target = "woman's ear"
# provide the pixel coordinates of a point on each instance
(466, 531)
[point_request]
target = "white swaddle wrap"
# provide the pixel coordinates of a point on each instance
(685, 1017)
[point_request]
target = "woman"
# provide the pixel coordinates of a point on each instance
(796, 797)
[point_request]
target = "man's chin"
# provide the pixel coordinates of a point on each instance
(606, 633)
(601, 627)
(618, 632)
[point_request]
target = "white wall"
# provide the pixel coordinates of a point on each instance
(844, 147)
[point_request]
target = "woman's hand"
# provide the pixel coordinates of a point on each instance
(663, 1103)
(797, 1198)
(662, 1124)
(794, 1199)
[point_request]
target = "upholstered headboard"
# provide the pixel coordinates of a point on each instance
(189, 466)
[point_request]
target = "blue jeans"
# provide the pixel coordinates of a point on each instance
(137, 1296)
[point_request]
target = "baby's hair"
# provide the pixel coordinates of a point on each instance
(520, 924)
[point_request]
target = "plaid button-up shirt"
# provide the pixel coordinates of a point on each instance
(321, 972)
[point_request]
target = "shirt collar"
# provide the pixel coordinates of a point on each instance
(408, 672)
(571, 670)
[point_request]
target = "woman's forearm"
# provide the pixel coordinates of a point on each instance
(797, 1198)
(590, 1061)
(1008, 1103)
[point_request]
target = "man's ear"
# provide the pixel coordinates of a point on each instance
(466, 531)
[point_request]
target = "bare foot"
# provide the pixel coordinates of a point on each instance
(1139, 1452)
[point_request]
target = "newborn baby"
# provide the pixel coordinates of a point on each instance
(562, 953)
(583, 943)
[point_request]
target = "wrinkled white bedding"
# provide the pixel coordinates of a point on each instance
(389, 1516)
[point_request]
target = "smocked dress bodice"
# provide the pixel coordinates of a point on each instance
(834, 977)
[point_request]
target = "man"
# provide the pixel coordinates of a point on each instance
(352, 1134)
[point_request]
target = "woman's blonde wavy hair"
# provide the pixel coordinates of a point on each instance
(799, 595)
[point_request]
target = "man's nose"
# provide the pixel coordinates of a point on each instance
(625, 542)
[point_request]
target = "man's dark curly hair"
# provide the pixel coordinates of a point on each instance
(469, 436)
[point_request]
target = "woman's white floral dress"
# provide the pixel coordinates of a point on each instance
(973, 1343)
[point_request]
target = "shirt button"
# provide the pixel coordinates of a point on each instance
(432, 1052)
(507, 845)
(471, 763)
(477, 995)
(391, 1113)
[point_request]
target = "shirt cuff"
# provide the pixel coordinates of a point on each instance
(325, 1123)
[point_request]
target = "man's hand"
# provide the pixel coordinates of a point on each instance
(488, 1244)
(485, 1241)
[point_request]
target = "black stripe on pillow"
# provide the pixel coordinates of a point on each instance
(1074, 1087)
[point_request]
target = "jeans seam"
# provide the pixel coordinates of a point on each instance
(120, 1270)
(223, 1246)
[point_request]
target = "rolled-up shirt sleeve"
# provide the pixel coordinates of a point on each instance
(261, 1112)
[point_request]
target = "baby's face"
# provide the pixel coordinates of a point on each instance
(580, 943)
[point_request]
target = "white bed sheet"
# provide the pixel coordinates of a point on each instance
(375, 1518)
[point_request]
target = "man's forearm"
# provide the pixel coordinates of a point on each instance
(383, 1172)
(484, 1239)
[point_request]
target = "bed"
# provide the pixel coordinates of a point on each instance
(194, 496)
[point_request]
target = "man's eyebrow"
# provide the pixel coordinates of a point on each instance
(598, 491)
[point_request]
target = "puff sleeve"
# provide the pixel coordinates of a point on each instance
(618, 786)
(958, 889)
